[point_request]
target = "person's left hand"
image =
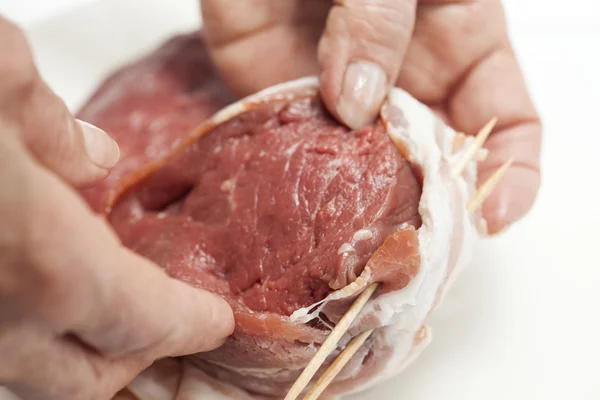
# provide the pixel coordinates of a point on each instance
(80, 314)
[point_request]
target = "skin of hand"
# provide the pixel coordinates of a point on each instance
(80, 315)
(452, 55)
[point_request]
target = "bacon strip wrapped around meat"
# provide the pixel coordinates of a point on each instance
(287, 214)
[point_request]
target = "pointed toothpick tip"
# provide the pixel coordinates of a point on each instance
(488, 187)
(336, 367)
(489, 127)
(330, 343)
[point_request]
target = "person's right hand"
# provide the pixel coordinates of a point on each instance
(80, 315)
(454, 56)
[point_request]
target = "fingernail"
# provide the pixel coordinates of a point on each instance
(101, 149)
(504, 210)
(512, 200)
(363, 90)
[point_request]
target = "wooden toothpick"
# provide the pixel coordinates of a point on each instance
(340, 329)
(339, 363)
(488, 187)
(474, 148)
(330, 343)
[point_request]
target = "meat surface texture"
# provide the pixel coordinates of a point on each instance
(284, 212)
(258, 208)
(150, 105)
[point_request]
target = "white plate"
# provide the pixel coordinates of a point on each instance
(522, 322)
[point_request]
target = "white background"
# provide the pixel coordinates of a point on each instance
(523, 321)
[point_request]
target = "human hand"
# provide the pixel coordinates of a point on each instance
(453, 55)
(80, 315)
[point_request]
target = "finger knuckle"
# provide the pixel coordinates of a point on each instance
(380, 19)
(17, 69)
(375, 30)
(382, 24)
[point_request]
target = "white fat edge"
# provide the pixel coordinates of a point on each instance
(362, 234)
(197, 385)
(282, 90)
(346, 248)
(402, 313)
(303, 315)
(467, 188)
(262, 373)
(157, 382)
(472, 224)
(359, 235)
(417, 349)
(454, 156)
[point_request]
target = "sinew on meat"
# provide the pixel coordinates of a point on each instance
(285, 213)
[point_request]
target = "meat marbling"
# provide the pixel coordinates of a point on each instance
(284, 212)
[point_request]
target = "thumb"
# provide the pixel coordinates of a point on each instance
(78, 152)
(360, 55)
